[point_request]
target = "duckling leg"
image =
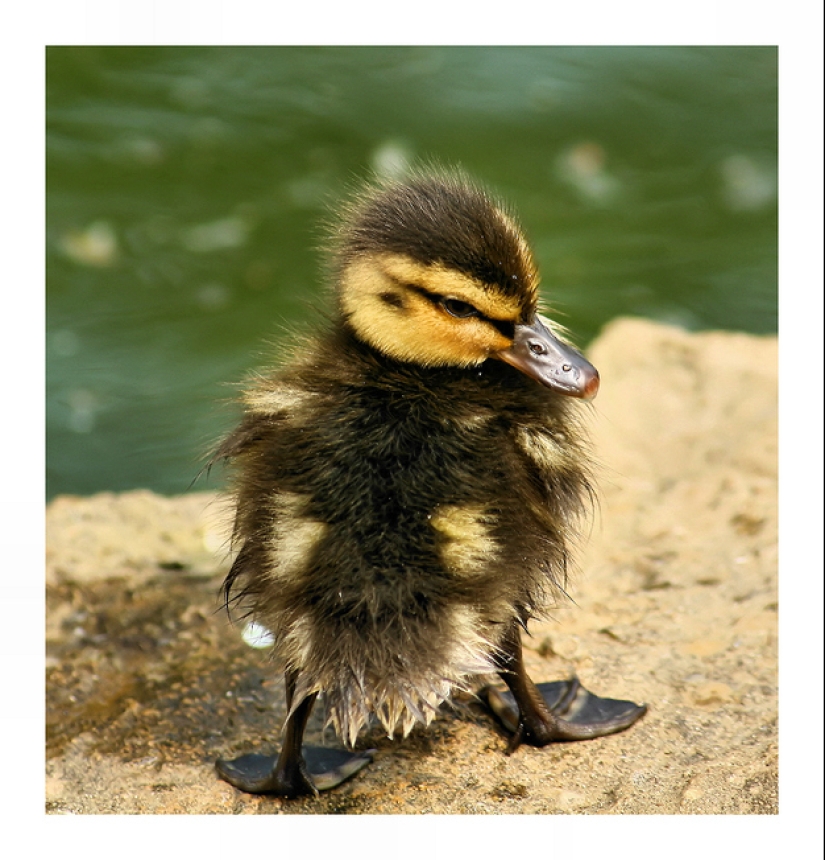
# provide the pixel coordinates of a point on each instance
(556, 711)
(297, 770)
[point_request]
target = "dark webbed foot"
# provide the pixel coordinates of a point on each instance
(318, 769)
(575, 714)
(299, 770)
(557, 711)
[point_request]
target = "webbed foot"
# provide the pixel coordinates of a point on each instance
(565, 711)
(317, 769)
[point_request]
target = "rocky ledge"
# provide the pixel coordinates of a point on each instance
(148, 682)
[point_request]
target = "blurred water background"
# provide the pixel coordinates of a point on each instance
(186, 187)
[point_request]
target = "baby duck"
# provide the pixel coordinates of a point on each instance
(409, 483)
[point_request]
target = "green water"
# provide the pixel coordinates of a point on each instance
(186, 187)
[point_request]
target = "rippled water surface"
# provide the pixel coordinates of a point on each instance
(186, 187)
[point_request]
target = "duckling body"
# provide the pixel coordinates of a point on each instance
(409, 484)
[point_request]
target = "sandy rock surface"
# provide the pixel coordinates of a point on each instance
(675, 606)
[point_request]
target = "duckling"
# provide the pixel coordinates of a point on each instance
(408, 486)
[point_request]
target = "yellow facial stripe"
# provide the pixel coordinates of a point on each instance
(402, 322)
(441, 282)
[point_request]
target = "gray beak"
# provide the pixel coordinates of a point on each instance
(539, 354)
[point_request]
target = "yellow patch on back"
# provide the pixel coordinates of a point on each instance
(277, 400)
(467, 546)
(294, 537)
(543, 448)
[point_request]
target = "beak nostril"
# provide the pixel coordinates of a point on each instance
(538, 348)
(566, 368)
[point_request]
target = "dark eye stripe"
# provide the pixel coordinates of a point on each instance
(506, 328)
(462, 310)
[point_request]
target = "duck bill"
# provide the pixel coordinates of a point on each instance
(539, 354)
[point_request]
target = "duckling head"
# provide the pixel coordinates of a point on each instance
(433, 271)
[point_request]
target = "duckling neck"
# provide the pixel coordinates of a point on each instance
(491, 388)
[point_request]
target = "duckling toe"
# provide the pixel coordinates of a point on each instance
(331, 767)
(321, 769)
(252, 773)
(579, 714)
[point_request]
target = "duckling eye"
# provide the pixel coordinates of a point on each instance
(457, 308)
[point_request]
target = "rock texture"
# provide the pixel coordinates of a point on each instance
(675, 605)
